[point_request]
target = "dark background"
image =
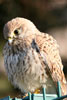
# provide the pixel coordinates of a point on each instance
(48, 15)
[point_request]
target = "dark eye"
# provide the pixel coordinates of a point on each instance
(16, 32)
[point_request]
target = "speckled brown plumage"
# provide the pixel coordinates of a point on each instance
(32, 58)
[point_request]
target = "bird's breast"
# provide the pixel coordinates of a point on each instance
(25, 69)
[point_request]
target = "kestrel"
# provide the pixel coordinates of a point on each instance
(32, 58)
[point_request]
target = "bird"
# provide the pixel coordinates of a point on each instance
(31, 58)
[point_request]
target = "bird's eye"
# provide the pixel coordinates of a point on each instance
(16, 32)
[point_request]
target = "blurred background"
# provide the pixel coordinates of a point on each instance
(48, 15)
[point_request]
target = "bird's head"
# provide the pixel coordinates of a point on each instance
(18, 28)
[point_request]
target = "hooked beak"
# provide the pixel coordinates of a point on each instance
(10, 38)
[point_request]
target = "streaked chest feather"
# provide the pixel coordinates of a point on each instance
(25, 68)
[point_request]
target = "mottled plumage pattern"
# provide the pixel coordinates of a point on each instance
(32, 59)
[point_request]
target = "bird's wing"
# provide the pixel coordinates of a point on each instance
(47, 46)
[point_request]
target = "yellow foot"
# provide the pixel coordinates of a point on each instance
(37, 91)
(25, 95)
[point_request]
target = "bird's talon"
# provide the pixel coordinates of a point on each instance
(25, 95)
(37, 91)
